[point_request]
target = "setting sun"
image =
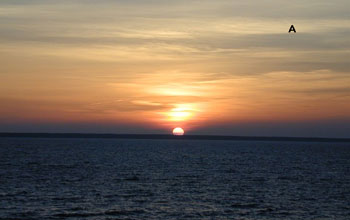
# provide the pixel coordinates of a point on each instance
(178, 131)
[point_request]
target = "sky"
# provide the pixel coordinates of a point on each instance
(221, 67)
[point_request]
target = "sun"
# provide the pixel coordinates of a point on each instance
(178, 131)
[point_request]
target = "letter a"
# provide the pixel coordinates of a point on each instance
(292, 29)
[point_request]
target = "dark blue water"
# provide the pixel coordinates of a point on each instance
(174, 179)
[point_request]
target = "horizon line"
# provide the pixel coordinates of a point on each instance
(167, 136)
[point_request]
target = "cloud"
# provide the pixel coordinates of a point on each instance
(126, 106)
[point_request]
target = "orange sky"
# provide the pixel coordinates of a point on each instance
(160, 65)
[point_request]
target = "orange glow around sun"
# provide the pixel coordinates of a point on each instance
(182, 112)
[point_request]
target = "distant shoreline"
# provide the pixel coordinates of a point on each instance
(172, 137)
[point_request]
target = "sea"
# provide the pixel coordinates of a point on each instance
(58, 178)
